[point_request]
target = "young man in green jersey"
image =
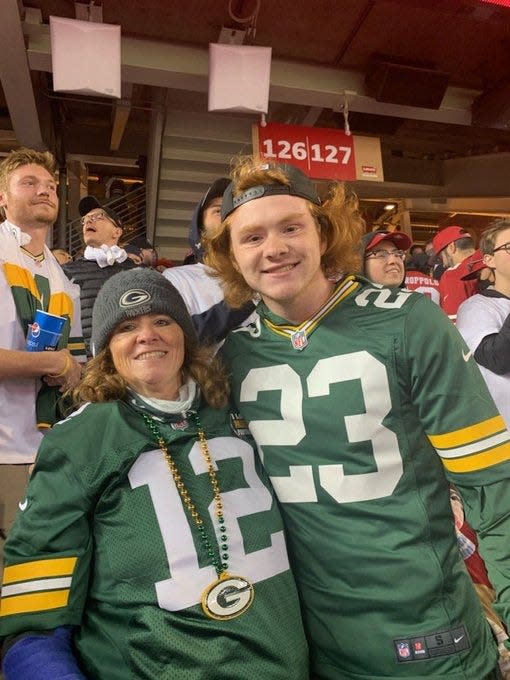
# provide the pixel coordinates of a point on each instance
(364, 402)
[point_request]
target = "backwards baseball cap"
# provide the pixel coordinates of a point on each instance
(89, 203)
(216, 190)
(132, 293)
(299, 185)
(469, 268)
(373, 238)
(446, 236)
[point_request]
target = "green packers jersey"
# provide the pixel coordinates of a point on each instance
(361, 415)
(103, 542)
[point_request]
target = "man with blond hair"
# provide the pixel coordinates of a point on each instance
(30, 279)
(484, 319)
(346, 392)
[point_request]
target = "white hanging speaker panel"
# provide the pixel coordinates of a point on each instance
(239, 78)
(85, 57)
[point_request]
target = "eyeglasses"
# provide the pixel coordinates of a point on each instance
(505, 247)
(385, 254)
(94, 218)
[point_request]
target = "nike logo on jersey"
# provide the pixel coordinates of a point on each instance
(456, 640)
(467, 355)
(23, 506)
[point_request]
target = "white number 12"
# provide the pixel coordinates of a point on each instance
(187, 579)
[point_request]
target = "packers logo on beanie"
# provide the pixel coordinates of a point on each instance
(132, 293)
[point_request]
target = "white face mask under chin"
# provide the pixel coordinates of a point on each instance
(186, 398)
(105, 256)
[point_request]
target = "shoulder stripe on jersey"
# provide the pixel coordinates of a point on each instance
(340, 292)
(34, 602)
(477, 447)
(36, 586)
(499, 454)
(76, 346)
(468, 435)
(60, 566)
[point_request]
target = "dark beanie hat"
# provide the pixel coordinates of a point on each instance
(132, 293)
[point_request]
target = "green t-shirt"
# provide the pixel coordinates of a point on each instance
(103, 542)
(360, 431)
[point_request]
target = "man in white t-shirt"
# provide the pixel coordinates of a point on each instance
(30, 279)
(484, 319)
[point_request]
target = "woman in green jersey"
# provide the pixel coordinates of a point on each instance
(149, 544)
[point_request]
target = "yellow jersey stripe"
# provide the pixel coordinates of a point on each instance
(467, 435)
(61, 566)
(75, 346)
(499, 454)
(61, 304)
(18, 276)
(33, 602)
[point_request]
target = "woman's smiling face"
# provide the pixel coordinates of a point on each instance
(148, 353)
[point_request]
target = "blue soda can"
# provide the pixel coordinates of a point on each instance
(44, 332)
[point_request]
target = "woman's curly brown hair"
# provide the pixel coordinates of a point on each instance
(101, 381)
(338, 220)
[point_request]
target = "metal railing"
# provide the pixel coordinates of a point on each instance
(131, 209)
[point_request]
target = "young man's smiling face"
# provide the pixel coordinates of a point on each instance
(277, 248)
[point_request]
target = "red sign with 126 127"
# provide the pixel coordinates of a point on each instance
(321, 153)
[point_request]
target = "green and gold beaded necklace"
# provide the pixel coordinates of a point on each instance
(228, 596)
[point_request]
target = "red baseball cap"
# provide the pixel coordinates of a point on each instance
(446, 236)
(469, 267)
(398, 238)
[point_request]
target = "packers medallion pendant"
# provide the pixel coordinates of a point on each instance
(229, 596)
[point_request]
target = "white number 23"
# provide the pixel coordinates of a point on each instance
(290, 430)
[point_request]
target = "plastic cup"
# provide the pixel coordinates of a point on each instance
(44, 332)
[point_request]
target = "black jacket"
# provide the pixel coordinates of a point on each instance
(90, 277)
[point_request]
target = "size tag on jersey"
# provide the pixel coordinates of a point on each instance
(299, 339)
(431, 645)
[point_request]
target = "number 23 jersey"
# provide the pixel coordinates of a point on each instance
(359, 431)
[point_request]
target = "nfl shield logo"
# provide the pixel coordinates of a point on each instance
(299, 339)
(403, 649)
(181, 425)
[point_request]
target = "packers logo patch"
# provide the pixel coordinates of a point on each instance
(133, 298)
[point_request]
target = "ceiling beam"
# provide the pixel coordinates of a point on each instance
(15, 78)
(172, 66)
(121, 111)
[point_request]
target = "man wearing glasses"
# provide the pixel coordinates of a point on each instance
(101, 259)
(384, 255)
(484, 319)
